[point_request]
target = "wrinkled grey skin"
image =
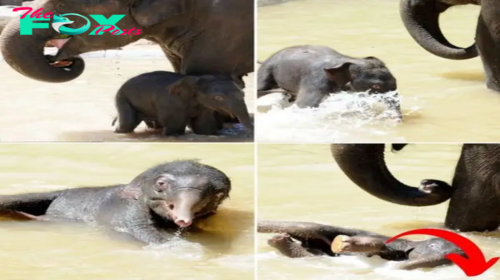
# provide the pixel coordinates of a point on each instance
(158, 201)
(421, 19)
(198, 36)
(311, 72)
(473, 192)
(173, 101)
(317, 239)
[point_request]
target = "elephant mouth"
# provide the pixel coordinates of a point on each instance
(59, 43)
(225, 111)
(65, 63)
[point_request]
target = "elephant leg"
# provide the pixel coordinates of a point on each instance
(153, 125)
(288, 247)
(488, 42)
(312, 235)
(173, 124)
(128, 117)
(473, 204)
(206, 123)
(265, 81)
(467, 215)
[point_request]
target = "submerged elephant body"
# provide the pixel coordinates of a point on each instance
(311, 72)
(198, 37)
(473, 193)
(165, 197)
(317, 239)
(173, 101)
(421, 19)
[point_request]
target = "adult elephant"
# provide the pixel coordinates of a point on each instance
(474, 192)
(197, 36)
(421, 19)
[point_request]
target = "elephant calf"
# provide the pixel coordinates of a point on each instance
(309, 73)
(173, 101)
(165, 197)
(317, 239)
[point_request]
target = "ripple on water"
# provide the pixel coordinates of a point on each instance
(338, 117)
(358, 267)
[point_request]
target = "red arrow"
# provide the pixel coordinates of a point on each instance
(475, 263)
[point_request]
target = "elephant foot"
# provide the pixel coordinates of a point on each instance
(357, 244)
(288, 247)
(280, 241)
(493, 85)
(122, 131)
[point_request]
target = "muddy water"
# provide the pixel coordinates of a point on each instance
(50, 251)
(303, 183)
(83, 109)
(442, 100)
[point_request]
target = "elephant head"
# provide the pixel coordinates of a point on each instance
(364, 164)
(25, 53)
(421, 19)
(217, 93)
(182, 197)
(359, 75)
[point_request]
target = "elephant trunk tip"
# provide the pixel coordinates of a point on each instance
(440, 190)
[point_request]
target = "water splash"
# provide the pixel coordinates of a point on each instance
(340, 116)
(178, 248)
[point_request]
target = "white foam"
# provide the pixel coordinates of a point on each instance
(178, 248)
(338, 117)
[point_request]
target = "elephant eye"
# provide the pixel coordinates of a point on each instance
(161, 184)
(218, 98)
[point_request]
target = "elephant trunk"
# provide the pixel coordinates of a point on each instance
(183, 208)
(421, 19)
(239, 109)
(364, 164)
(25, 54)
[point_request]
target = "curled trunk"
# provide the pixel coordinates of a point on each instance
(25, 54)
(364, 164)
(421, 19)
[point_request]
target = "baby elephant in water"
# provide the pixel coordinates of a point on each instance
(165, 197)
(172, 101)
(317, 239)
(309, 73)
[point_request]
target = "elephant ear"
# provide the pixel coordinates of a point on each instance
(150, 12)
(339, 73)
(184, 86)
